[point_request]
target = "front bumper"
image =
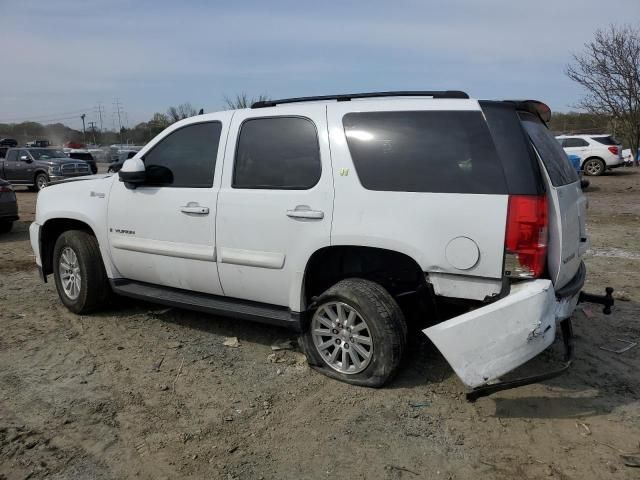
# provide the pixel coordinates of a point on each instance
(488, 342)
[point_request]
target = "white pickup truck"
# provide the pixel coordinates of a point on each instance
(351, 219)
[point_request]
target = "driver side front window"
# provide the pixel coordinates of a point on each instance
(185, 158)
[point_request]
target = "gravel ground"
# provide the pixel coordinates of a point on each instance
(143, 391)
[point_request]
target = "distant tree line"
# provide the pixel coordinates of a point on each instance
(59, 134)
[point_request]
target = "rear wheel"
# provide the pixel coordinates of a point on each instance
(41, 181)
(594, 167)
(79, 273)
(357, 334)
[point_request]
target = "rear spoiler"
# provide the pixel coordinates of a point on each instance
(536, 107)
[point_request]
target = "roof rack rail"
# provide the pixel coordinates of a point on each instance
(349, 96)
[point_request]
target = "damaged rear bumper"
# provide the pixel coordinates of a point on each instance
(486, 343)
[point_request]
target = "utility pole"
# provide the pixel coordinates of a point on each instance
(92, 127)
(117, 107)
(84, 132)
(100, 110)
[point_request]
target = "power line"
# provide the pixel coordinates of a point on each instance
(44, 118)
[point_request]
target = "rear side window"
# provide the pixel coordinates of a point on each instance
(277, 153)
(519, 161)
(424, 151)
(560, 170)
(12, 156)
(185, 158)
(605, 140)
(574, 142)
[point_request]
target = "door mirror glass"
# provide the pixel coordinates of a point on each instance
(132, 173)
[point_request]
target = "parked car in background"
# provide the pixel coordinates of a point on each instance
(122, 156)
(8, 206)
(85, 155)
(39, 143)
(575, 161)
(597, 153)
(37, 167)
(8, 142)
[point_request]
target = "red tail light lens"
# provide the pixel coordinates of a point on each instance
(526, 236)
(6, 188)
(613, 150)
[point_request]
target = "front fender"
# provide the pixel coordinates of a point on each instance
(85, 202)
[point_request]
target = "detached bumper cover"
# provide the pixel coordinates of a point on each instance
(488, 342)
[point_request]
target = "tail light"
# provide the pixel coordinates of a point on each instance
(6, 188)
(614, 150)
(526, 236)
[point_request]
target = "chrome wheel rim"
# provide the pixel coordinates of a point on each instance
(593, 167)
(42, 182)
(342, 337)
(70, 277)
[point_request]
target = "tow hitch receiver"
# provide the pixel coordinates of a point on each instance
(606, 299)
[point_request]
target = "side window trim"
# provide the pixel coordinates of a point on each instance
(165, 137)
(263, 187)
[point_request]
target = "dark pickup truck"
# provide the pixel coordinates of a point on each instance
(37, 167)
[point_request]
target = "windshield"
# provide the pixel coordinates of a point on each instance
(47, 153)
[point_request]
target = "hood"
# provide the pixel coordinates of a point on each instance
(58, 161)
(100, 176)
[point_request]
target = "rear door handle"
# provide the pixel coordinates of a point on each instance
(194, 209)
(303, 211)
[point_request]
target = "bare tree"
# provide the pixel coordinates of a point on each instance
(242, 100)
(609, 70)
(184, 110)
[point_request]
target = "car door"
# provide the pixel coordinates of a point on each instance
(575, 146)
(163, 232)
(275, 202)
(17, 168)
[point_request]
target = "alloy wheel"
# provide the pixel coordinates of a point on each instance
(342, 337)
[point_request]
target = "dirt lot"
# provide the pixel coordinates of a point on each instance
(141, 391)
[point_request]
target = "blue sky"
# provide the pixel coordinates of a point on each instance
(62, 57)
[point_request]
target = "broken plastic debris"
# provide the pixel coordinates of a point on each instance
(626, 345)
(231, 342)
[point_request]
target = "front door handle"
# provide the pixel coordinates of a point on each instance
(303, 211)
(194, 209)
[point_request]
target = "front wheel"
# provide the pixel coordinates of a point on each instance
(79, 273)
(41, 181)
(594, 167)
(357, 334)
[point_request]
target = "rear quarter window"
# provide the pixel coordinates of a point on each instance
(424, 151)
(606, 140)
(555, 161)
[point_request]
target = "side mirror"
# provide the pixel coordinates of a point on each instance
(25, 158)
(133, 173)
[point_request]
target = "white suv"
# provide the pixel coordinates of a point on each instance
(341, 217)
(597, 152)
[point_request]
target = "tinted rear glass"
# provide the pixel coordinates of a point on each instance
(560, 170)
(424, 151)
(519, 161)
(606, 140)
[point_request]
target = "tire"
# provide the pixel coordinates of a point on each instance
(5, 226)
(594, 167)
(41, 181)
(93, 290)
(383, 337)
(111, 170)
